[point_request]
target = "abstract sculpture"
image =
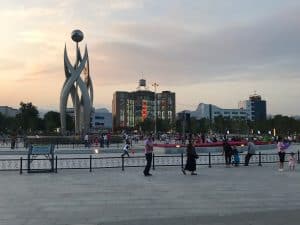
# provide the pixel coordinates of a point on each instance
(83, 100)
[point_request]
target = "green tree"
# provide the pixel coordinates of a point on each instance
(164, 125)
(27, 118)
(204, 125)
(51, 121)
(2, 122)
(147, 125)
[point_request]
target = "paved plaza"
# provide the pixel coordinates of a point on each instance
(245, 195)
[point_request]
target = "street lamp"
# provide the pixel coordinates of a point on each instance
(155, 85)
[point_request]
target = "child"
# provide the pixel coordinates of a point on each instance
(236, 156)
(126, 148)
(292, 161)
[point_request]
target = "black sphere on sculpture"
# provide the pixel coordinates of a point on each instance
(77, 35)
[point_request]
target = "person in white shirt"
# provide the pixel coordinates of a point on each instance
(126, 149)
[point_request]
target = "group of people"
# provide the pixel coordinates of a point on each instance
(228, 152)
(232, 152)
(282, 146)
(102, 140)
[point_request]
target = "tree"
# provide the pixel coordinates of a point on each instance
(2, 122)
(164, 125)
(147, 125)
(51, 121)
(27, 118)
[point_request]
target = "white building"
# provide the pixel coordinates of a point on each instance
(102, 118)
(210, 111)
(8, 111)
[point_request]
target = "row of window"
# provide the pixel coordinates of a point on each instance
(227, 113)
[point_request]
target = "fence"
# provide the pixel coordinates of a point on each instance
(93, 162)
(69, 144)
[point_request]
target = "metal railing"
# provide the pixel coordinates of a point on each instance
(93, 162)
(21, 144)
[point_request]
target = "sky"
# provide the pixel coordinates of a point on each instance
(211, 51)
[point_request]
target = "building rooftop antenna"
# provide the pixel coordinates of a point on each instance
(142, 85)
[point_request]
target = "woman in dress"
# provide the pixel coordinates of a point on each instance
(191, 158)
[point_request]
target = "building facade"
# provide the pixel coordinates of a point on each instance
(256, 106)
(8, 111)
(166, 105)
(101, 119)
(131, 108)
(253, 109)
(210, 111)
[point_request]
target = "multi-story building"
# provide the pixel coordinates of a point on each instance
(256, 106)
(8, 111)
(253, 109)
(210, 111)
(131, 108)
(166, 105)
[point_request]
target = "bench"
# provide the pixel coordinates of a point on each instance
(35, 151)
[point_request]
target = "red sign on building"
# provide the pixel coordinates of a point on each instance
(144, 110)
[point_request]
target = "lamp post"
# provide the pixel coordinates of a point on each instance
(155, 85)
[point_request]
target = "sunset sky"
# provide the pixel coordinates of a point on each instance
(211, 51)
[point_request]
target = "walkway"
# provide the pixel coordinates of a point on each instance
(245, 195)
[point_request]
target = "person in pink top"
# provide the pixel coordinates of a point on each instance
(148, 154)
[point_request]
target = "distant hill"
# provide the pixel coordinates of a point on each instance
(296, 117)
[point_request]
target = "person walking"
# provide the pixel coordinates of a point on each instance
(148, 154)
(86, 140)
(251, 151)
(227, 152)
(126, 149)
(191, 158)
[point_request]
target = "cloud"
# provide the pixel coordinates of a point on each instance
(7, 64)
(125, 4)
(267, 47)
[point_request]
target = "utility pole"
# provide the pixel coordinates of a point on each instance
(155, 85)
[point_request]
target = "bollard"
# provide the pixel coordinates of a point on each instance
(259, 159)
(181, 160)
(21, 165)
(153, 161)
(90, 163)
(123, 163)
(56, 164)
(298, 153)
(209, 160)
